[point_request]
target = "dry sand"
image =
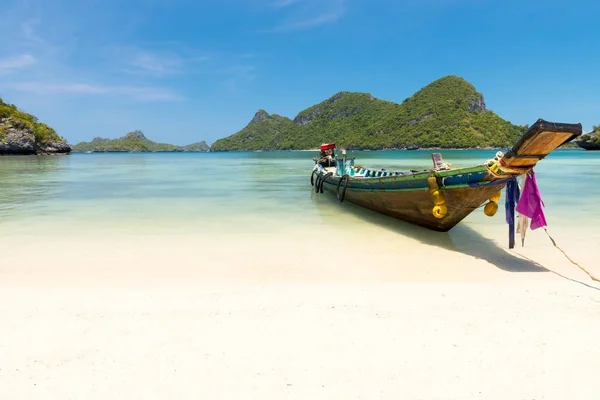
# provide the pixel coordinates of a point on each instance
(289, 315)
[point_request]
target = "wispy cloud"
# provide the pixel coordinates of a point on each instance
(156, 63)
(28, 31)
(309, 13)
(161, 60)
(137, 92)
(284, 3)
(317, 19)
(16, 62)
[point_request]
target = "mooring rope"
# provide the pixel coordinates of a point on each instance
(569, 258)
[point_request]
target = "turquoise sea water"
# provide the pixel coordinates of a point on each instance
(250, 190)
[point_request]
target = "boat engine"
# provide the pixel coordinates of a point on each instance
(327, 156)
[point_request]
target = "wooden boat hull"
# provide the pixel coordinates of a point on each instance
(441, 197)
(416, 205)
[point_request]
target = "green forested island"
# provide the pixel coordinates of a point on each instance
(134, 141)
(22, 133)
(591, 140)
(447, 113)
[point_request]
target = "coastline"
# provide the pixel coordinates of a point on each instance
(388, 149)
(260, 151)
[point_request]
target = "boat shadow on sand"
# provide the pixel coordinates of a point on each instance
(462, 238)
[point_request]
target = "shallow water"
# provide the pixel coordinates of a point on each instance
(249, 191)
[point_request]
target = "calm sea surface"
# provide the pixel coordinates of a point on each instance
(253, 190)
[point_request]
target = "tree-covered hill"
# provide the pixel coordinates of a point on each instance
(134, 141)
(263, 132)
(447, 113)
(22, 133)
(200, 146)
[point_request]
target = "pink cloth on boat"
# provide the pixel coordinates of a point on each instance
(531, 203)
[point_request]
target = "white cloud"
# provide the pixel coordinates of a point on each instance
(309, 14)
(16, 62)
(137, 92)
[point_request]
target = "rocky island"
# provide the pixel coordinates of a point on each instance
(22, 134)
(447, 113)
(135, 141)
(591, 140)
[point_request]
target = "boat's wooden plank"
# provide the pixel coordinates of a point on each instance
(540, 140)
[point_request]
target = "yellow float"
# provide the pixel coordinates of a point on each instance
(439, 199)
(491, 207)
(495, 198)
(440, 211)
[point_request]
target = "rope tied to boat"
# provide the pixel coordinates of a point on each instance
(527, 201)
(498, 169)
(592, 276)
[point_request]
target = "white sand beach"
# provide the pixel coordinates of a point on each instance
(290, 315)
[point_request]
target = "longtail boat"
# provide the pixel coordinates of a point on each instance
(440, 197)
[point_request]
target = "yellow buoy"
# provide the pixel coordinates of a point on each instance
(495, 198)
(440, 211)
(490, 209)
(432, 184)
(438, 197)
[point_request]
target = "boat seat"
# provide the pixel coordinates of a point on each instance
(438, 162)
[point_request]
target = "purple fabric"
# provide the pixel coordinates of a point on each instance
(531, 203)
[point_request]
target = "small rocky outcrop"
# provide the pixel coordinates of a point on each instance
(591, 140)
(307, 118)
(416, 121)
(200, 146)
(344, 113)
(260, 115)
(18, 138)
(589, 145)
(477, 104)
(54, 148)
(136, 134)
(332, 112)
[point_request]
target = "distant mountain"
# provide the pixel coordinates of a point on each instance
(134, 142)
(22, 133)
(590, 141)
(264, 132)
(447, 113)
(200, 146)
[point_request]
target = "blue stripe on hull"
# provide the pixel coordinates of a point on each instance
(418, 181)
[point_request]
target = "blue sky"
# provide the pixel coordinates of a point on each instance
(184, 71)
